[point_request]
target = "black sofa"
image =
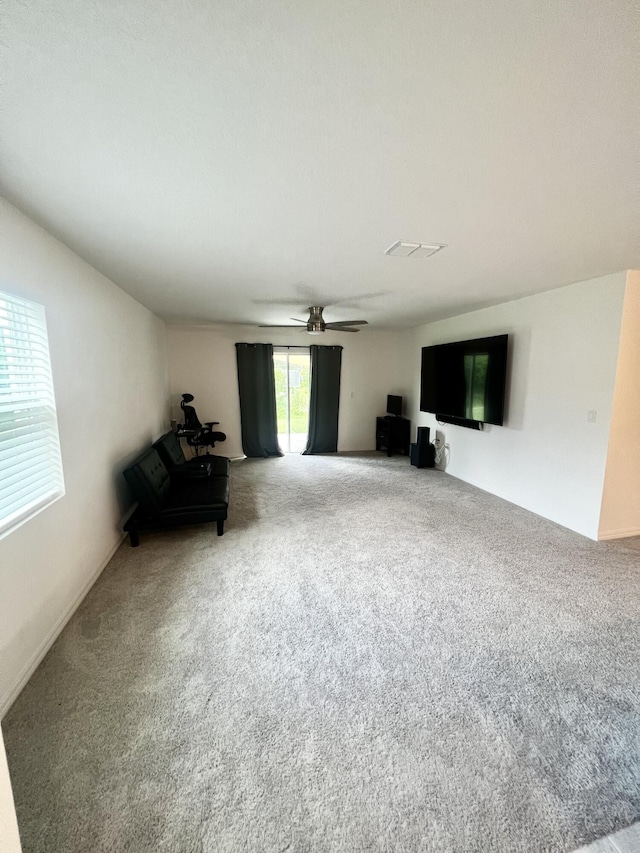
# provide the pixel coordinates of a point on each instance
(164, 501)
(170, 451)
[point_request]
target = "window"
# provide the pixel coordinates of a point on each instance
(30, 464)
(292, 374)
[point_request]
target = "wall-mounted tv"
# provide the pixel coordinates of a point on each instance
(464, 382)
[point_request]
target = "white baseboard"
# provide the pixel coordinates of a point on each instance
(621, 533)
(36, 658)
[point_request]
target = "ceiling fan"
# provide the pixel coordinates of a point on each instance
(316, 324)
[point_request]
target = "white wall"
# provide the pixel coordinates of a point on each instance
(620, 515)
(9, 836)
(108, 357)
(202, 362)
(563, 354)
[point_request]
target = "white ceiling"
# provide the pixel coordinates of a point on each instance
(216, 158)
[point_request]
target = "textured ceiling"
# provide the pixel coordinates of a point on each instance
(218, 159)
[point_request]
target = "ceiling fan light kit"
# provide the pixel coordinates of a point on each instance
(316, 324)
(404, 249)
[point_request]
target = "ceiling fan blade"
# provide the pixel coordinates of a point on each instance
(330, 328)
(298, 321)
(339, 323)
(269, 326)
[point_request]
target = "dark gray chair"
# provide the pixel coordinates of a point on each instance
(197, 435)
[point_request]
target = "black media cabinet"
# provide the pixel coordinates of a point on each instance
(392, 435)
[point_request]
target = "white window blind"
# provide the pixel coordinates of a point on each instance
(30, 463)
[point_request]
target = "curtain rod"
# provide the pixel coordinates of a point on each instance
(280, 346)
(300, 346)
(293, 346)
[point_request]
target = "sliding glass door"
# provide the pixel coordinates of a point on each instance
(292, 373)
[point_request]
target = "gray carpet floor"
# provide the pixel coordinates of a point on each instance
(372, 658)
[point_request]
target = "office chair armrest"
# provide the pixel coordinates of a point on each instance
(211, 424)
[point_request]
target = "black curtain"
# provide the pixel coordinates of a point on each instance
(256, 385)
(325, 400)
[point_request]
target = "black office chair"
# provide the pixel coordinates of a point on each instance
(198, 436)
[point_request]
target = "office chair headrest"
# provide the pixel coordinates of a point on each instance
(187, 398)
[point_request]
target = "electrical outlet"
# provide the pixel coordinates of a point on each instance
(592, 414)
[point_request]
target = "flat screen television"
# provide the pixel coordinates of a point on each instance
(464, 382)
(394, 405)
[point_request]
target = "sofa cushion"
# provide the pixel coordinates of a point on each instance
(149, 481)
(171, 453)
(219, 464)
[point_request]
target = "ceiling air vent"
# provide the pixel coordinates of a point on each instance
(403, 249)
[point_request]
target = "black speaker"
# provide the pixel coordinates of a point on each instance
(422, 437)
(423, 456)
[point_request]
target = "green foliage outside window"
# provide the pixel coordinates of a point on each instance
(299, 389)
